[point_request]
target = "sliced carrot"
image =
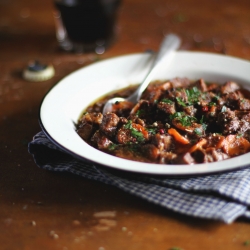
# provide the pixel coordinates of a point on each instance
(236, 146)
(221, 142)
(213, 109)
(198, 145)
(140, 128)
(177, 136)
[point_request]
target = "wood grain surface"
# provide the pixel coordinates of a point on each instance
(45, 210)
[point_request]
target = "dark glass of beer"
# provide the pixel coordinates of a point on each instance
(86, 25)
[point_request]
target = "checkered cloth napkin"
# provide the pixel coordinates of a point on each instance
(223, 197)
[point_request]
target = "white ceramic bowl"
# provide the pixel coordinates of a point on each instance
(63, 105)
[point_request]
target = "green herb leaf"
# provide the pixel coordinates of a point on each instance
(184, 119)
(239, 135)
(112, 147)
(134, 133)
(180, 102)
(128, 125)
(140, 112)
(204, 126)
(138, 135)
(193, 94)
(165, 100)
(152, 131)
(198, 131)
(216, 97)
(212, 104)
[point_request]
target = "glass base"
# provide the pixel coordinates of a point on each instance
(99, 47)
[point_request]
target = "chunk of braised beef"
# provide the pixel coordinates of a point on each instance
(88, 123)
(154, 92)
(85, 130)
(181, 95)
(228, 122)
(124, 136)
(214, 140)
(229, 87)
(247, 134)
(140, 121)
(185, 158)
(245, 124)
(109, 124)
(166, 157)
(101, 141)
(180, 82)
(199, 156)
(151, 151)
(162, 142)
(132, 133)
(123, 120)
(94, 118)
(212, 155)
(140, 108)
(190, 110)
(246, 116)
(201, 85)
(212, 87)
(243, 104)
(231, 99)
(167, 106)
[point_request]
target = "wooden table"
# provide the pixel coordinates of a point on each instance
(46, 210)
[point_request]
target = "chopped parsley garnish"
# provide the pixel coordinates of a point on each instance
(134, 132)
(204, 126)
(152, 131)
(180, 102)
(112, 147)
(140, 112)
(168, 101)
(239, 135)
(198, 131)
(193, 94)
(138, 135)
(212, 104)
(184, 119)
(128, 125)
(216, 97)
(177, 115)
(202, 120)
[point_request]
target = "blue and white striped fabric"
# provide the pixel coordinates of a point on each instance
(224, 196)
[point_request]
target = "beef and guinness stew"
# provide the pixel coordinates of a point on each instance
(175, 122)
